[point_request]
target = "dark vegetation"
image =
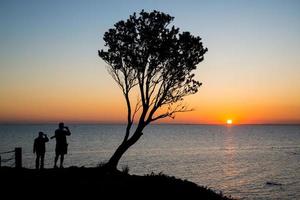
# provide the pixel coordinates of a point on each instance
(97, 183)
(153, 63)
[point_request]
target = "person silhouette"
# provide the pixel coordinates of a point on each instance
(39, 148)
(61, 143)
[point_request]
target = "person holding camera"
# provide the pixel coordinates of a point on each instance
(61, 143)
(39, 148)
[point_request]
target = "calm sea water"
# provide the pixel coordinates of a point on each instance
(238, 160)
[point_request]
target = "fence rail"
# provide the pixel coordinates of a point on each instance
(17, 157)
(5, 152)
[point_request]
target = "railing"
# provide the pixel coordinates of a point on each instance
(17, 157)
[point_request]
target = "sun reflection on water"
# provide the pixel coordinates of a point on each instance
(230, 170)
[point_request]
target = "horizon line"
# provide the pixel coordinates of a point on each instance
(162, 123)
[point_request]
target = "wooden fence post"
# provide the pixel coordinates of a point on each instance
(18, 157)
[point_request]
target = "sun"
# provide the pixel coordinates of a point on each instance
(229, 121)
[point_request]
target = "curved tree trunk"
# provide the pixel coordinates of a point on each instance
(114, 160)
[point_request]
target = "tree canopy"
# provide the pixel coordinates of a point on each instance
(143, 51)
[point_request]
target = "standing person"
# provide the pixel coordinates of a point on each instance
(61, 143)
(39, 148)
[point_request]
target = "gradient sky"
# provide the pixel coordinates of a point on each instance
(50, 70)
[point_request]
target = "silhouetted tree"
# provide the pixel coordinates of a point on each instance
(158, 61)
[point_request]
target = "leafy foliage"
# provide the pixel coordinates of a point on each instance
(143, 51)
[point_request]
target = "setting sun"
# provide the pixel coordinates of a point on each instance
(229, 121)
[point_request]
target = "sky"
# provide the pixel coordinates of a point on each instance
(50, 70)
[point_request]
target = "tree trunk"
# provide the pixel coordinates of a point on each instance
(114, 160)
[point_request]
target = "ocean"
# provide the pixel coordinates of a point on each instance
(244, 161)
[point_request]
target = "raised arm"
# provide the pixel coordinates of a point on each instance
(68, 131)
(46, 138)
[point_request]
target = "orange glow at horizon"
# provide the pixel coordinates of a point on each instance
(108, 106)
(229, 121)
